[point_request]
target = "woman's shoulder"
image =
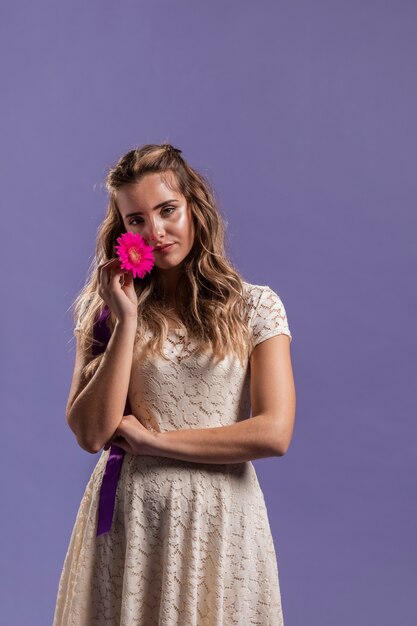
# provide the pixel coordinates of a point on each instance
(253, 292)
(267, 311)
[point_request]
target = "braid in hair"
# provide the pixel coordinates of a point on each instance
(171, 150)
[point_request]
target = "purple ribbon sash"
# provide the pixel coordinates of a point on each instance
(108, 489)
(116, 455)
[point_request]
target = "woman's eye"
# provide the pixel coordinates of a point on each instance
(135, 219)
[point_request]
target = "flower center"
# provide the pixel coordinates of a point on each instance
(134, 255)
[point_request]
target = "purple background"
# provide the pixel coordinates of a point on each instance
(303, 116)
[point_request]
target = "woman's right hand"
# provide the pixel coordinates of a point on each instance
(116, 287)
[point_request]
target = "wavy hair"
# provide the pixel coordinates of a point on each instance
(211, 299)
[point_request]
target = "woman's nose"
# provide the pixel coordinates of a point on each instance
(152, 231)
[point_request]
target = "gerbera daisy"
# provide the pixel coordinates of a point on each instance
(134, 254)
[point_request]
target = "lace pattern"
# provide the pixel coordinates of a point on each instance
(269, 317)
(190, 543)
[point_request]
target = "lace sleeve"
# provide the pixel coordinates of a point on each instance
(270, 317)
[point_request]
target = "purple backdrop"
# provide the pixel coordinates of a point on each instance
(302, 114)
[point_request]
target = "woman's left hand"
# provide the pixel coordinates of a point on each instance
(131, 436)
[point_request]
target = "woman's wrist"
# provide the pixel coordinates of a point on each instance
(129, 324)
(150, 444)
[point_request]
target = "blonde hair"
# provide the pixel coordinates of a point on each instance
(210, 291)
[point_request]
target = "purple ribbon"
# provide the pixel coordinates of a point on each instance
(116, 455)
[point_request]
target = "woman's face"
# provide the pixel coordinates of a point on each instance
(160, 216)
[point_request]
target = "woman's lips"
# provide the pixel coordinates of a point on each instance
(165, 248)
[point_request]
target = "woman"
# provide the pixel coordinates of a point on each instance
(191, 349)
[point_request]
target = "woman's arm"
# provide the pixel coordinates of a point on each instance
(268, 433)
(97, 410)
(247, 440)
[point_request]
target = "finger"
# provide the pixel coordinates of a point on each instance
(108, 271)
(127, 279)
(117, 274)
(116, 266)
(124, 444)
(108, 266)
(101, 272)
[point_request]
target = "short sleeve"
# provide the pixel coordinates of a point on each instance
(270, 317)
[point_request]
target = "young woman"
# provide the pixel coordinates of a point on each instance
(193, 382)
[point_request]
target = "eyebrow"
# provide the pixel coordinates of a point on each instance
(154, 209)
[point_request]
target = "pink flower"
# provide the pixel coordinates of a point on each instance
(134, 254)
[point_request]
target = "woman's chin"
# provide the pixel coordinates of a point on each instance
(164, 264)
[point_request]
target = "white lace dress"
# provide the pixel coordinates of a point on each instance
(190, 543)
